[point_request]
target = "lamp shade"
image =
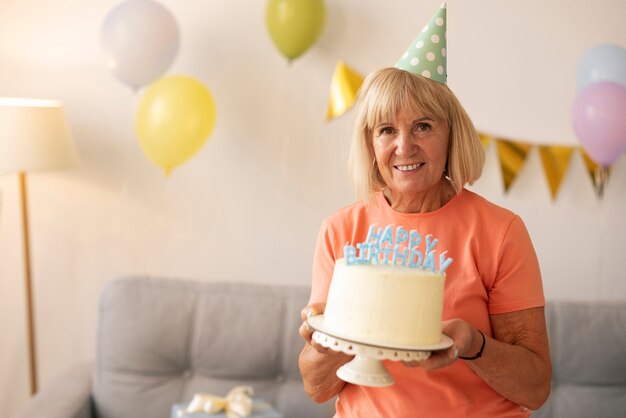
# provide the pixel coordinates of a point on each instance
(34, 135)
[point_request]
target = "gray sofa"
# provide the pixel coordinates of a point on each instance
(588, 350)
(162, 340)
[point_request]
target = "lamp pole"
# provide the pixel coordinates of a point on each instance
(30, 315)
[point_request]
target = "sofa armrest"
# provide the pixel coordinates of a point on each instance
(66, 396)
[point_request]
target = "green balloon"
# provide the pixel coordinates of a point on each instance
(294, 25)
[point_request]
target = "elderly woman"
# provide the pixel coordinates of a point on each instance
(413, 150)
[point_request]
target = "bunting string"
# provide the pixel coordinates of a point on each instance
(555, 160)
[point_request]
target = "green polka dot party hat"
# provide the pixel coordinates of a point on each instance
(426, 56)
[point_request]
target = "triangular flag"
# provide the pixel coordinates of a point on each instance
(599, 175)
(512, 156)
(343, 89)
(485, 139)
(555, 161)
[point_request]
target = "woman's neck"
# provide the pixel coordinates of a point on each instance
(427, 201)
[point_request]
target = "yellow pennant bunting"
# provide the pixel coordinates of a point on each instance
(555, 161)
(485, 139)
(599, 175)
(343, 89)
(512, 157)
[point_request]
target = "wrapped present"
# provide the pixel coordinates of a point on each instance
(237, 404)
(260, 409)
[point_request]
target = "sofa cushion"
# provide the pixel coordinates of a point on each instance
(238, 334)
(587, 342)
(145, 329)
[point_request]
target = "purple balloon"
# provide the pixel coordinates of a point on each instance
(599, 117)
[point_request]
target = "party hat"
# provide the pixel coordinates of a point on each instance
(426, 56)
(343, 90)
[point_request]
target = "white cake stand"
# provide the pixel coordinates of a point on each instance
(367, 369)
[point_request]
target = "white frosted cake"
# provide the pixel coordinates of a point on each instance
(384, 304)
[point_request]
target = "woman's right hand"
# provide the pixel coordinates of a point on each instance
(306, 332)
(318, 364)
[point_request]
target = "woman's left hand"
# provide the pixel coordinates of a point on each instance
(518, 337)
(464, 337)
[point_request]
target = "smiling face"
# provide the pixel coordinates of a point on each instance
(411, 152)
(413, 128)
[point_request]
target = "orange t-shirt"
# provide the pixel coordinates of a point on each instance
(495, 270)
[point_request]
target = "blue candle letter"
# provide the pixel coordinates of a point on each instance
(399, 256)
(373, 256)
(444, 262)
(429, 263)
(373, 234)
(414, 239)
(430, 244)
(385, 252)
(401, 235)
(349, 253)
(416, 253)
(387, 236)
(363, 256)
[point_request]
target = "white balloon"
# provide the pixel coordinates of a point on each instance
(140, 41)
(604, 62)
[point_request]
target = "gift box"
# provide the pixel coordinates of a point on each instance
(260, 409)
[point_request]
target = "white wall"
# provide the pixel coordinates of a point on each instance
(248, 206)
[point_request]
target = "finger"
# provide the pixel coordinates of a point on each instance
(306, 332)
(307, 335)
(453, 352)
(460, 331)
(412, 363)
(440, 359)
(304, 313)
(320, 348)
(312, 310)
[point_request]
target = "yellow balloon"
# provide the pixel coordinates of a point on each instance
(175, 118)
(294, 25)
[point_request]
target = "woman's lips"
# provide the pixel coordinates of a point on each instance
(409, 167)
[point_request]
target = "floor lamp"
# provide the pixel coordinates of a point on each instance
(34, 136)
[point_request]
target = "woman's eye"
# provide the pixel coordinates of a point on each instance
(387, 130)
(422, 127)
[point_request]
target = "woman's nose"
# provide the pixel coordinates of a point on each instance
(405, 144)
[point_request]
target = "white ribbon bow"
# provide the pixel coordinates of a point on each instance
(236, 404)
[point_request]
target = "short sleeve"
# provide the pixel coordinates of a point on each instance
(518, 282)
(323, 264)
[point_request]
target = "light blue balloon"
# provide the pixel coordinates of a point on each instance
(606, 62)
(139, 39)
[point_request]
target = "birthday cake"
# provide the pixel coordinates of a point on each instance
(388, 291)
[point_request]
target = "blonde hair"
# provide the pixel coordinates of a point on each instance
(381, 96)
